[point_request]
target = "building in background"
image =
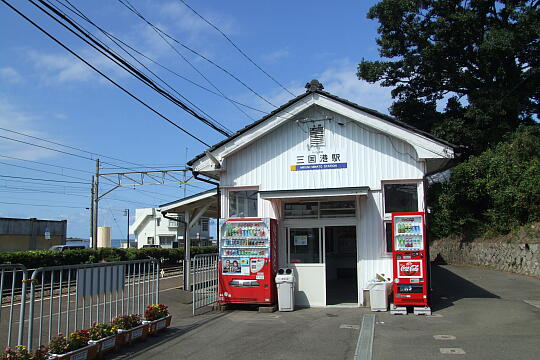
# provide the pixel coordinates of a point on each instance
(151, 228)
(31, 234)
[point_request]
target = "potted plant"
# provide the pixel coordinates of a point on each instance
(20, 352)
(74, 347)
(157, 316)
(129, 328)
(104, 336)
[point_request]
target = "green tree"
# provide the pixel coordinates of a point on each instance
(491, 193)
(481, 57)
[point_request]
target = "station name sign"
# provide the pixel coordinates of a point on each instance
(319, 161)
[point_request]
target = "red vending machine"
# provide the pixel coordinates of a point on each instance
(247, 261)
(410, 259)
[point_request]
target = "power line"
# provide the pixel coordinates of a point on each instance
(40, 170)
(118, 60)
(236, 47)
(103, 75)
(51, 180)
(44, 205)
(157, 29)
(42, 163)
(118, 42)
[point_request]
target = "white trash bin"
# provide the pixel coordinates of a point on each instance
(378, 295)
(285, 289)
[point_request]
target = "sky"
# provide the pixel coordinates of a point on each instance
(47, 93)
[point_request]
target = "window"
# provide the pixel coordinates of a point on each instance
(166, 241)
(204, 224)
(173, 223)
(305, 246)
(158, 221)
(150, 240)
(319, 209)
(400, 198)
(388, 235)
(243, 204)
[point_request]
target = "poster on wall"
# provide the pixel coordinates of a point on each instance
(300, 240)
(236, 266)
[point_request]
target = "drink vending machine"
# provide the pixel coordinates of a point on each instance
(410, 259)
(247, 261)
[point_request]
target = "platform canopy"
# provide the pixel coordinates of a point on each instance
(203, 204)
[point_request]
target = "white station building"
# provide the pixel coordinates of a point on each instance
(331, 172)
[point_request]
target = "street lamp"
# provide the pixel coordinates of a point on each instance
(126, 212)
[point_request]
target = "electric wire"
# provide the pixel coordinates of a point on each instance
(118, 60)
(51, 180)
(130, 7)
(46, 164)
(103, 74)
(44, 205)
(236, 47)
(122, 45)
(43, 171)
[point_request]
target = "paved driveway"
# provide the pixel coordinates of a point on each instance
(483, 314)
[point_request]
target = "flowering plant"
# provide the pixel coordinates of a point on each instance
(61, 344)
(20, 352)
(126, 322)
(78, 339)
(156, 311)
(101, 330)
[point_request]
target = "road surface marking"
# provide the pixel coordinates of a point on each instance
(535, 303)
(364, 346)
(452, 351)
(347, 326)
(444, 337)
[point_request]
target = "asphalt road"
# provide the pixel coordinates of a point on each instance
(482, 313)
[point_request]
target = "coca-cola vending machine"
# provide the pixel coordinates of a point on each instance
(247, 261)
(410, 260)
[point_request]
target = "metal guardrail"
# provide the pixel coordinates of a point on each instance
(19, 274)
(205, 280)
(62, 299)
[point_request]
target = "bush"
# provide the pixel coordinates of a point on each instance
(38, 258)
(492, 193)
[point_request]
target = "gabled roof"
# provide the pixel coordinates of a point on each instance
(314, 87)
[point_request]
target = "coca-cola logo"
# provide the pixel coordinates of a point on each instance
(409, 268)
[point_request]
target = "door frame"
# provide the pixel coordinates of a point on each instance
(321, 224)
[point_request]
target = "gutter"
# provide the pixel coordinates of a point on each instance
(197, 175)
(186, 267)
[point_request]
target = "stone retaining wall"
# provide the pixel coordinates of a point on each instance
(515, 258)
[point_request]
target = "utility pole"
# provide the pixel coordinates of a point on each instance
(91, 212)
(126, 212)
(95, 202)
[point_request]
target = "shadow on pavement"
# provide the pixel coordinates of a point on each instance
(152, 342)
(447, 287)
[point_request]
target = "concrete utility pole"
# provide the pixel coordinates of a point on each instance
(126, 212)
(95, 205)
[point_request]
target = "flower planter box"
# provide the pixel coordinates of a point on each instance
(155, 326)
(128, 336)
(105, 345)
(88, 352)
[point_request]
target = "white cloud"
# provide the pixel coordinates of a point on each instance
(188, 22)
(275, 56)
(20, 121)
(10, 75)
(339, 79)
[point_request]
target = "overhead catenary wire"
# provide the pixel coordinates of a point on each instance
(51, 180)
(236, 47)
(118, 60)
(43, 205)
(43, 171)
(103, 74)
(46, 164)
